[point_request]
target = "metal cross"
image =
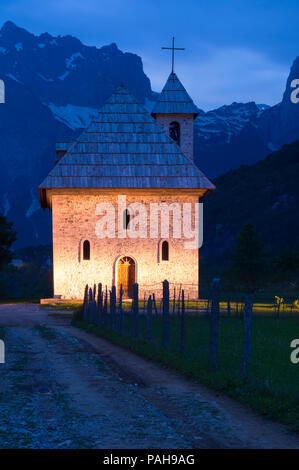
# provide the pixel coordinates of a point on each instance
(173, 49)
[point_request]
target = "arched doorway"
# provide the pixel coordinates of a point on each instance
(126, 274)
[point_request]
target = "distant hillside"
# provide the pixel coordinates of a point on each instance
(55, 85)
(244, 133)
(266, 193)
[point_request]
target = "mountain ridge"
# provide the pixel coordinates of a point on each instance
(61, 90)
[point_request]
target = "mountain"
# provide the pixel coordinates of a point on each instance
(245, 133)
(55, 85)
(266, 193)
(226, 137)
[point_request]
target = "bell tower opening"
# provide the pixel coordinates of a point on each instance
(174, 131)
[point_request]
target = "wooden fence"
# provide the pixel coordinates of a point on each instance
(105, 310)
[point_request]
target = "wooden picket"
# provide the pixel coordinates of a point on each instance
(214, 323)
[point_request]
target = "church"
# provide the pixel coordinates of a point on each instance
(126, 154)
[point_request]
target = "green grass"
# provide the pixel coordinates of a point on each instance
(272, 387)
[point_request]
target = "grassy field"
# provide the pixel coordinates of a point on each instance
(272, 387)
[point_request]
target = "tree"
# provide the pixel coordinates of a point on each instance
(7, 237)
(248, 262)
(286, 265)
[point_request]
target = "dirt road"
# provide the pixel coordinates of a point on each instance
(64, 388)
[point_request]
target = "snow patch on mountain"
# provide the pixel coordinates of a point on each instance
(271, 147)
(45, 78)
(19, 46)
(75, 117)
(5, 204)
(70, 61)
(13, 77)
(226, 121)
(64, 75)
(34, 206)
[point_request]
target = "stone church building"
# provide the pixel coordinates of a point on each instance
(125, 151)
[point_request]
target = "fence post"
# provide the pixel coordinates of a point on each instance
(214, 323)
(89, 316)
(247, 334)
(100, 304)
(121, 311)
(85, 303)
(135, 310)
(149, 320)
(173, 306)
(113, 306)
(94, 304)
(182, 343)
(105, 307)
(165, 318)
(155, 305)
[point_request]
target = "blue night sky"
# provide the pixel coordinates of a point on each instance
(235, 50)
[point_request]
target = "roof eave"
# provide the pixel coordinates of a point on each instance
(43, 198)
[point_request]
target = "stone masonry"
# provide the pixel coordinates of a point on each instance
(75, 219)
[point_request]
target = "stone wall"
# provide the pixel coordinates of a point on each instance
(75, 219)
(186, 122)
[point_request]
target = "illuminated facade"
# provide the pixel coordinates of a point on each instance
(148, 159)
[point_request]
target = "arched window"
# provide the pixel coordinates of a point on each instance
(86, 250)
(174, 131)
(165, 251)
(126, 219)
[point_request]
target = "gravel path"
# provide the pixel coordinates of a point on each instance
(64, 388)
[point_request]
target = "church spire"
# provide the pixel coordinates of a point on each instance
(174, 99)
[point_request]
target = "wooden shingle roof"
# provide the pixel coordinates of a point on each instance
(124, 147)
(174, 99)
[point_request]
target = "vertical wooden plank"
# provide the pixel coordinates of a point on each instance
(100, 304)
(94, 305)
(173, 305)
(113, 307)
(135, 311)
(121, 311)
(85, 303)
(165, 313)
(149, 320)
(105, 308)
(182, 339)
(89, 317)
(214, 323)
(228, 308)
(155, 305)
(247, 334)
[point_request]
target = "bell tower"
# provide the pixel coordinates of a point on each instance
(175, 110)
(175, 113)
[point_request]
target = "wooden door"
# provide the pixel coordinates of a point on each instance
(126, 276)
